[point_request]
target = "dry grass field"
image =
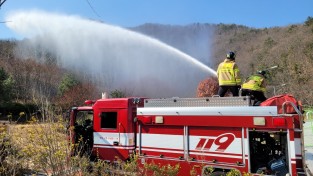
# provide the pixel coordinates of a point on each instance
(44, 149)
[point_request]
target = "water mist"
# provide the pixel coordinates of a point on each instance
(118, 58)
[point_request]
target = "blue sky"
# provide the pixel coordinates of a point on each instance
(130, 13)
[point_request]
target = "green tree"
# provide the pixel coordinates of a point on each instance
(6, 84)
(309, 21)
(117, 94)
(68, 81)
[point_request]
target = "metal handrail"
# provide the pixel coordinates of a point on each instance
(119, 133)
(308, 113)
(294, 107)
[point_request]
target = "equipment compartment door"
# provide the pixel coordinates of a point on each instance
(216, 144)
(161, 141)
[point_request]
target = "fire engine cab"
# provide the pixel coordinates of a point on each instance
(223, 133)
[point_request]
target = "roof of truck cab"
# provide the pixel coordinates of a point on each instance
(116, 103)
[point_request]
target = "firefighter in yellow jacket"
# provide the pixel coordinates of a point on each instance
(228, 75)
(255, 87)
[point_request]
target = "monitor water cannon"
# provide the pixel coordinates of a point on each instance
(271, 68)
(264, 71)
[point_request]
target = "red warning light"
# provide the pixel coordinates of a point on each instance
(279, 121)
(89, 102)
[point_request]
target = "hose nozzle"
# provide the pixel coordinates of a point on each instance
(273, 67)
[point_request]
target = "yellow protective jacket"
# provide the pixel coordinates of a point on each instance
(228, 73)
(255, 82)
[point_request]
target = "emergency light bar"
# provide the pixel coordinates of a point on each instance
(89, 102)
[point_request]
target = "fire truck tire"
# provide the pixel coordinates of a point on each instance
(218, 173)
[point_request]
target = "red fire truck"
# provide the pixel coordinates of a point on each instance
(223, 133)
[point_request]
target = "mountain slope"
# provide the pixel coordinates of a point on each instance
(289, 47)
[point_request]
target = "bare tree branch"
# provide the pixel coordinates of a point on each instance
(1, 2)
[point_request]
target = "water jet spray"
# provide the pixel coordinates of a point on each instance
(112, 56)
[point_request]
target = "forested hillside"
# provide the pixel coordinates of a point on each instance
(289, 47)
(30, 86)
(27, 81)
